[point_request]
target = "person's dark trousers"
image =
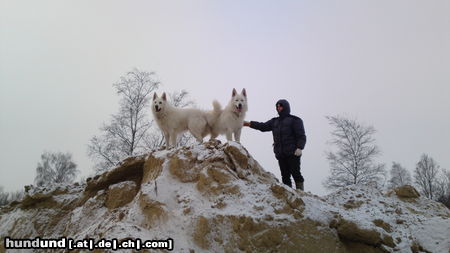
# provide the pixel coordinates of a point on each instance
(290, 166)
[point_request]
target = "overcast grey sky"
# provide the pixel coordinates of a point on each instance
(386, 63)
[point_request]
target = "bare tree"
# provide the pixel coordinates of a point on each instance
(17, 195)
(55, 168)
(399, 176)
(444, 198)
(4, 197)
(124, 135)
(180, 99)
(443, 183)
(426, 176)
(131, 131)
(8, 197)
(353, 162)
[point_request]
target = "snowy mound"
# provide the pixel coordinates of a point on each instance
(216, 198)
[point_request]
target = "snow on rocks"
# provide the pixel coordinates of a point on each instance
(216, 197)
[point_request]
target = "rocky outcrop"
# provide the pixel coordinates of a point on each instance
(405, 192)
(216, 198)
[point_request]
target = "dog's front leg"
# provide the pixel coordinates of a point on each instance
(199, 140)
(237, 135)
(197, 136)
(173, 140)
(229, 134)
(167, 139)
(213, 135)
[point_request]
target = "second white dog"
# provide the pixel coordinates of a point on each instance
(231, 118)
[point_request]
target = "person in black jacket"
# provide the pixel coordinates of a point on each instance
(289, 140)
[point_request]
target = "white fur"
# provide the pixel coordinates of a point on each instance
(172, 120)
(231, 118)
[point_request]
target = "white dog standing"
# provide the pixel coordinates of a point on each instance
(172, 120)
(231, 118)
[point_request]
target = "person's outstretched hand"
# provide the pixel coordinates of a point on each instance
(246, 123)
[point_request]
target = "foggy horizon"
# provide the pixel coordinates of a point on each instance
(384, 63)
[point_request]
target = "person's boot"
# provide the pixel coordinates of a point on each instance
(299, 185)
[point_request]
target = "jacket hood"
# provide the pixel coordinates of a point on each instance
(286, 107)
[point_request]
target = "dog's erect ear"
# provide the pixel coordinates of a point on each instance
(155, 96)
(234, 93)
(164, 96)
(244, 92)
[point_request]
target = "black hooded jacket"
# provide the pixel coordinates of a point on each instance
(288, 131)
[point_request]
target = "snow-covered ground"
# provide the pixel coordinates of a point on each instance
(195, 193)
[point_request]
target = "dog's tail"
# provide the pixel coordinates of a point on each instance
(217, 108)
(215, 113)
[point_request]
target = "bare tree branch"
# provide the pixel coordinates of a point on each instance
(130, 131)
(55, 168)
(399, 176)
(122, 137)
(428, 178)
(353, 162)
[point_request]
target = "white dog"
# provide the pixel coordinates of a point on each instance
(172, 120)
(231, 118)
